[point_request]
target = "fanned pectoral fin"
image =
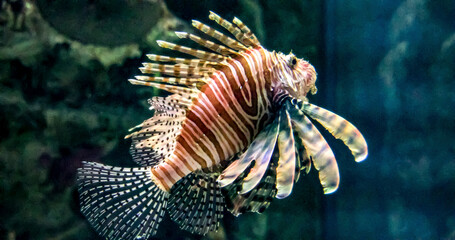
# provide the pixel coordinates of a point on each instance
(259, 147)
(323, 158)
(340, 129)
(262, 160)
(303, 161)
(256, 200)
(285, 170)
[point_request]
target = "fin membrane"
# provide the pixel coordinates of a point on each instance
(323, 158)
(303, 161)
(340, 129)
(259, 198)
(120, 203)
(259, 151)
(156, 139)
(285, 171)
(188, 75)
(196, 203)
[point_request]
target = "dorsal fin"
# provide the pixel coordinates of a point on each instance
(189, 75)
(247, 38)
(177, 70)
(155, 140)
(191, 51)
(218, 36)
(182, 91)
(195, 83)
(248, 33)
(208, 44)
(186, 61)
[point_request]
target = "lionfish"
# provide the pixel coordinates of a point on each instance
(234, 134)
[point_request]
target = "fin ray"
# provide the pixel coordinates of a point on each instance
(285, 170)
(262, 159)
(322, 155)
(237, 32)
(259, 198)
(233, 171)
(186, 61)
(218, 36)
(340, 128)
(207, 44)
(196, 203)
(156, 139)
(111, 196)
(191, 51)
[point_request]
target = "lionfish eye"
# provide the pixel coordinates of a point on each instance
(293, 61)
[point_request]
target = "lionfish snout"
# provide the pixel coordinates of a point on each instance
(301, 79)
(306, 76)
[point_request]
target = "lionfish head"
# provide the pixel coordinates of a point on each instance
(298, 77)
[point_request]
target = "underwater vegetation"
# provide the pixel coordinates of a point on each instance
(387, 66)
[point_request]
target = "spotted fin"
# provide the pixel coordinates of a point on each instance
(340, 129)
(260, 151)
(120, 203)
(156, 138)
(322, 155)
(285, 170)
(196, 203)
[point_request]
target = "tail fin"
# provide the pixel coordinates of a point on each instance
(121, 203)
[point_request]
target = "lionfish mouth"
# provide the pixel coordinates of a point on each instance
(313, 89)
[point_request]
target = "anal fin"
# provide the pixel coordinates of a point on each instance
(196, 203)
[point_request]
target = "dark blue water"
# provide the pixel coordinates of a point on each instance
(386, 66)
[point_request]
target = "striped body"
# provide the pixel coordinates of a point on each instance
(224, 118)
(237, 118)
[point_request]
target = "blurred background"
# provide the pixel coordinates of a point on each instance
(388, 66)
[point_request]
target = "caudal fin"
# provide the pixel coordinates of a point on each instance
(120, 203)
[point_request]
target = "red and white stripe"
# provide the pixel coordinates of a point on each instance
(224, 118)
